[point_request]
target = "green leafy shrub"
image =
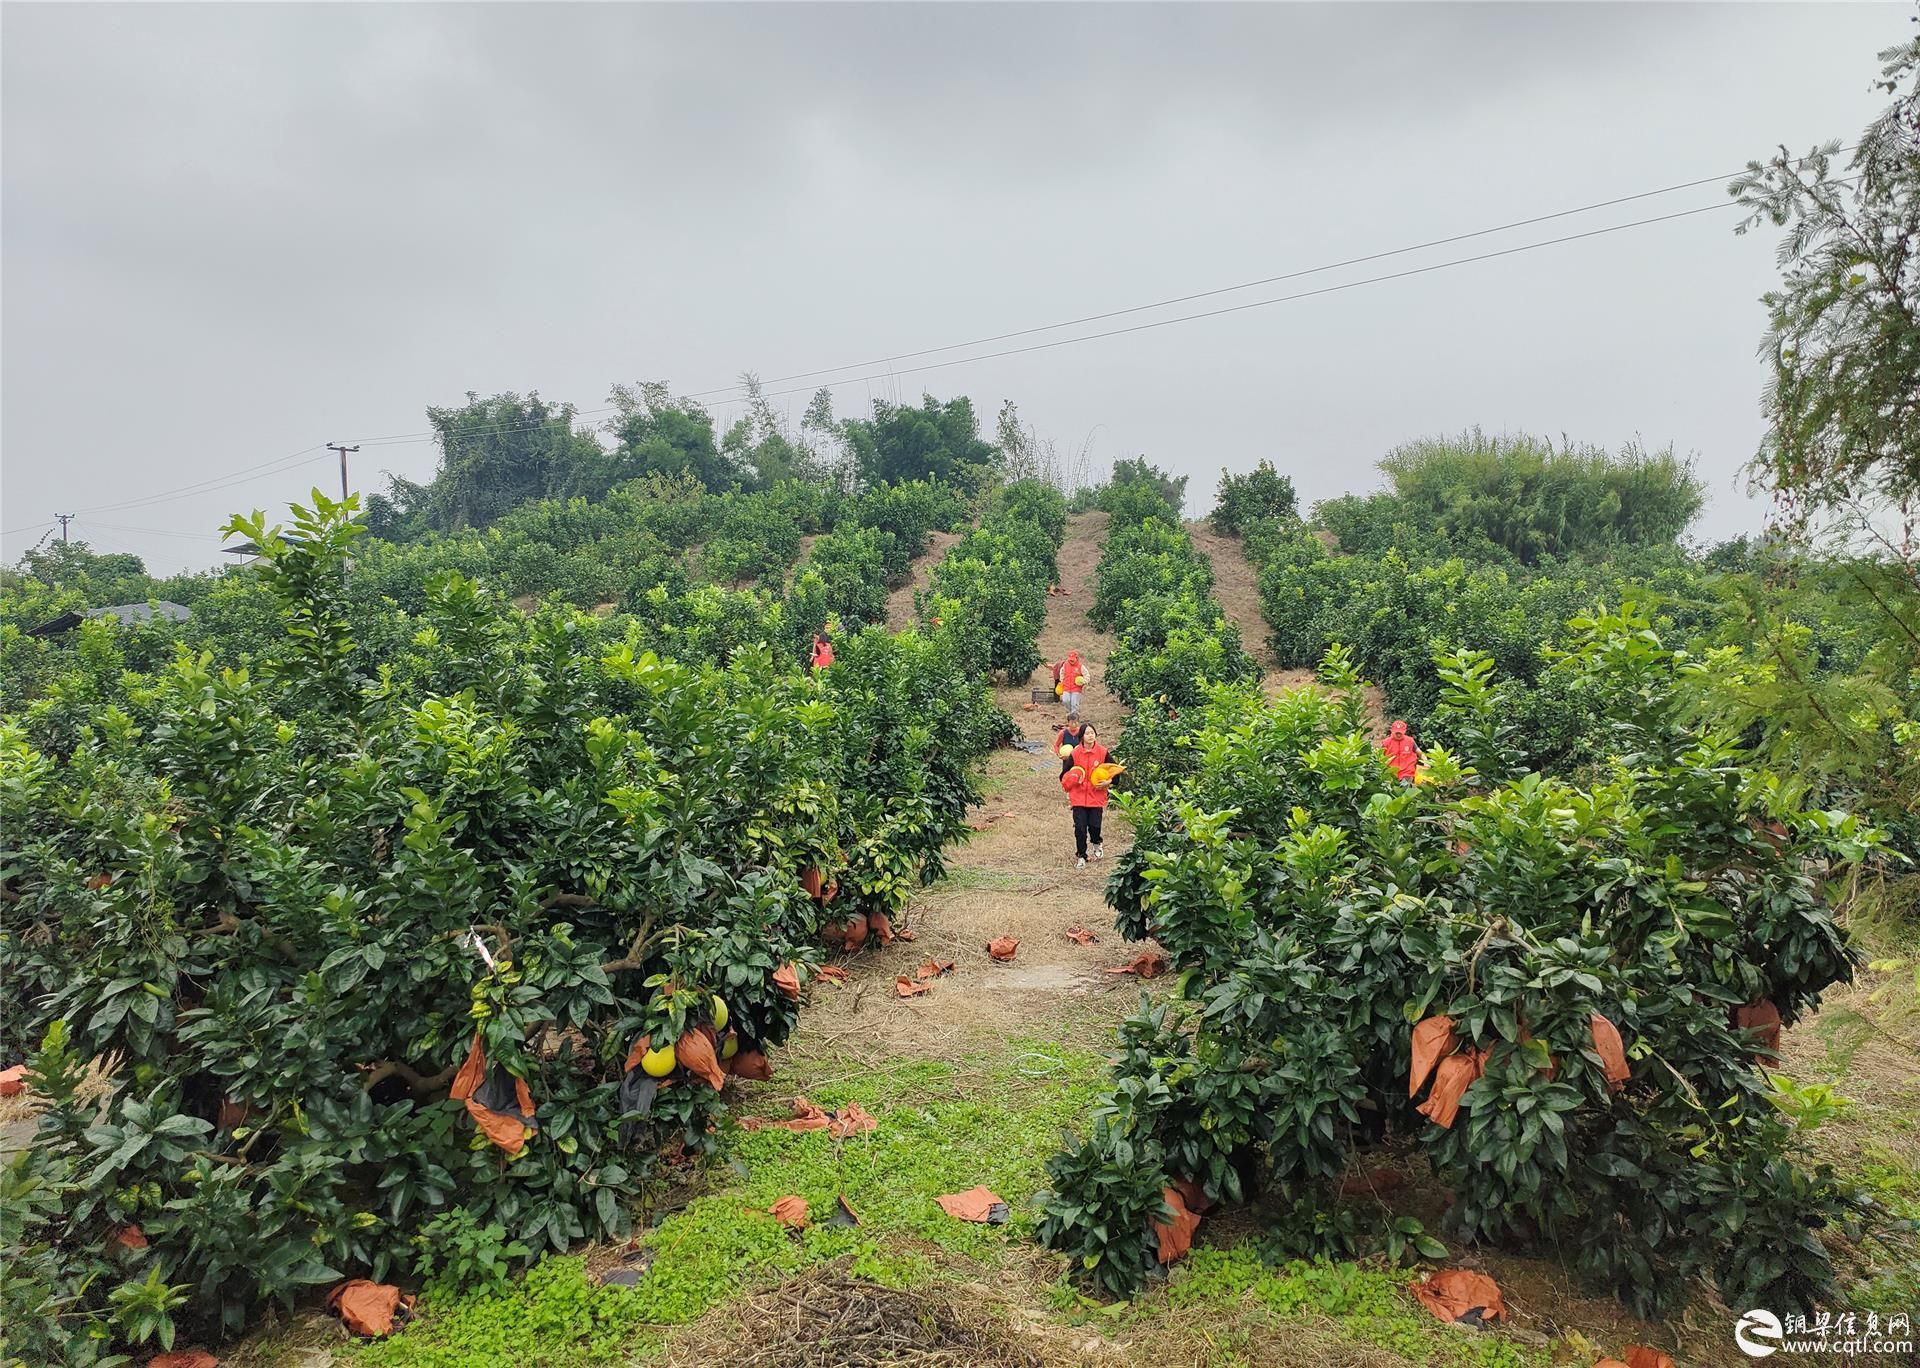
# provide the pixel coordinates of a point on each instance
(290, 898)
(1319, 907)
(991, 588)
(1104, 1197)
(1260, 495)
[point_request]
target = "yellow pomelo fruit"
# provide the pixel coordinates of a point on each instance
(719, 1014)
(660, 1062)
(730, 1046)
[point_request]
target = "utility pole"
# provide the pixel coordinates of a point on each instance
(66, 518)
(343, 450)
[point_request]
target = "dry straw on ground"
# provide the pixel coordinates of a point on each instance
(825, 1319)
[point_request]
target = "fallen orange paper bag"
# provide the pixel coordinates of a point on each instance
(806, 1117)
(882, 927)
(368, 1308)
(1002, 947)
(933, 969)
(1190, 1193)
(852, 1119)
(1147, 964)
(790, 1212)
(13, 1081)
(975, 1204)
(1079, 935)
(1641, 1356)
(906, 987)
(130, 1237)
(1459, 1294)
(184, 1358)
(830, 973)
(1175, 1234)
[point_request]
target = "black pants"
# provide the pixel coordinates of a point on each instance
(1086, 823)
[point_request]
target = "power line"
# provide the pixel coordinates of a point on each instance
(1243, 285)
(1277, 299)
(154, 531)
(278, 466)
(284, 464)
(403, 438)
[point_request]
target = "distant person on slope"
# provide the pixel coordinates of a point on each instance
(1087, 799)
(1402, 753)
(1072, 675)
(822, 651)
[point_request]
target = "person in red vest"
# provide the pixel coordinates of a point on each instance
(822, 651)
(1071, 675)
(1087, 799)
(1402, 753)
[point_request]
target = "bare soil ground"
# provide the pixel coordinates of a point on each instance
(1236, 584)
(900, 601)
(1015, 877)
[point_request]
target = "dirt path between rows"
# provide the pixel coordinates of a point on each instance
(1015, 877)
(1236, 584)
(900, 601)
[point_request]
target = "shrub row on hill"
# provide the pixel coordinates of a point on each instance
(1566, 995)
(991, 587)
(361, 948)
(658, 533)
(1397, 612)
(1156, 592)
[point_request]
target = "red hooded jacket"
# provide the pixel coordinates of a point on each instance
(1070, 671)
(1402, 753)
(1077, 781)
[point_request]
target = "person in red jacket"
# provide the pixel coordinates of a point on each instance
(1072, 675)
(822, 651)
(1402, 753)
(1087, 799)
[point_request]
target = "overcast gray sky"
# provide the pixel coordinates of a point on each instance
(234, 232)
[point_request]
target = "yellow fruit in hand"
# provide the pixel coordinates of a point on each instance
(730, 1046)
(1066, 752)
(1081, 680)
(719, 1014)
(659, 1063)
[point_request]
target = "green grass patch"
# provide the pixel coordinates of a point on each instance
(1369, 1304)
(960, 878)
(943, 1128)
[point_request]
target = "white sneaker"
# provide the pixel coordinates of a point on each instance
(1099, 852)
(1080, 863)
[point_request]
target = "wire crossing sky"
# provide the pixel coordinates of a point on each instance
(231, 232)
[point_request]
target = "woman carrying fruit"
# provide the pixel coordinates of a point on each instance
(1064, 741)
(1072, 676)
(1086, 794)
